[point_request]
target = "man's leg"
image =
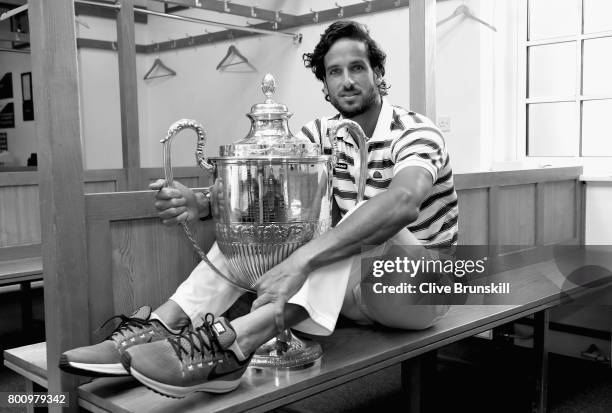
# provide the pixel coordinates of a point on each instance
(257, 327)
(398, 310)
(172, 315)
(413, 311)
(203, 291)
(211, 358)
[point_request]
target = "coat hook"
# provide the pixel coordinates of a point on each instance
(341, 12)
(275, 25)
(225, 6)
(198, 3)
(369, 6)
(277, 16)
(253, 13)
(315, 17)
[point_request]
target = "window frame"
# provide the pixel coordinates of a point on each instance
(523, 99)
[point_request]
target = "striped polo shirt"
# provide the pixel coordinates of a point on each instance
(400, 139)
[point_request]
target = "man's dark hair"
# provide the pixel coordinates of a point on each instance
(346, 29)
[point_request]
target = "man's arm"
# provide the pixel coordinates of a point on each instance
(373, 223)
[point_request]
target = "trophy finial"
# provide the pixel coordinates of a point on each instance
(268, 86)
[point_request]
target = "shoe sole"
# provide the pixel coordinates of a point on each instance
(217, 386)
(92, 370)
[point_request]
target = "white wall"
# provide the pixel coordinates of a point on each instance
(99, 89)
(21, 138)
(466, 70)
(463, 86)
(220, 100)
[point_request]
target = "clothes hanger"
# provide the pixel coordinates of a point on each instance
(464, 10)
(159, 64)
(233, 51)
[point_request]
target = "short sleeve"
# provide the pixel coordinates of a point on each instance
(423, 147)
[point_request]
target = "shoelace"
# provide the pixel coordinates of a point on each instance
(127, 323)
(195, 340)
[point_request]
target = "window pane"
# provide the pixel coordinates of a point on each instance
(597, 15)
(596, 131)
(552, 18)
(552, 70)
(597, 70)
(553, 129)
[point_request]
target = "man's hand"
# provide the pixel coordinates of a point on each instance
(279, 284)
(175, 204)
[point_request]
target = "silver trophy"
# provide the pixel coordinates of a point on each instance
(272, 193)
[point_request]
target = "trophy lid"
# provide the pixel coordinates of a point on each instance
(269, 135)
(269, 109)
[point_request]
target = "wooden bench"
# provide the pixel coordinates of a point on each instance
(133, 260)
(353, 352)
(21, 264)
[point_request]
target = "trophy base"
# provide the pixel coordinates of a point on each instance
(286, 351)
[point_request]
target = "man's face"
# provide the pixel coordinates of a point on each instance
(350, 81)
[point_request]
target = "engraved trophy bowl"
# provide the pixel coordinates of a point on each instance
(271, 194)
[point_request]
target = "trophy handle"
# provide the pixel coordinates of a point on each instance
(203, 162)
(334, 127)
(174, 129)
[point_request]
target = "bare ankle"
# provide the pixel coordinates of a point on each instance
(172, 315)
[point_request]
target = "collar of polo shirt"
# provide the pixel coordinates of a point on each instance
(383, 125)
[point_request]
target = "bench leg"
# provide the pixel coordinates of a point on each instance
(32, 387)
(540, 347)
(26, 306)
(502, 336)
(417, 381)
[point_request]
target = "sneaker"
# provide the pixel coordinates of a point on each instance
(104, 359)
(205, 359)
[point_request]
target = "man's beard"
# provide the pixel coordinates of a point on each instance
(368, 102)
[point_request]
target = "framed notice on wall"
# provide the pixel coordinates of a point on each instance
(7, 116)
(6, 86)
(26, 92)
(20, 24)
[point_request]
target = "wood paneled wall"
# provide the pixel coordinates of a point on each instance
(19, 197)
(516, 210)
(521, 208)
(19, 215)
(133, 259)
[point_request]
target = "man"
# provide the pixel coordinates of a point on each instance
(410, 200)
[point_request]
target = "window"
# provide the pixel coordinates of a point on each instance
(568, 94)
